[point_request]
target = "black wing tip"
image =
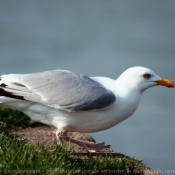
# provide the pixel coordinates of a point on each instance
(3, 85)
(9, 94)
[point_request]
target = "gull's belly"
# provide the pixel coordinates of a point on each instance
(86, 121)
(91, 121)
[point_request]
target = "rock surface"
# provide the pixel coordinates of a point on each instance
(46, 134)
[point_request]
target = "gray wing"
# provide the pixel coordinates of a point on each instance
(59, 89)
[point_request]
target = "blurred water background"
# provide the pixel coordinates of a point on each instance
(102, 38)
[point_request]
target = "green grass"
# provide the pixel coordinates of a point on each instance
(19, 157)
(16, 155)
(11, 120)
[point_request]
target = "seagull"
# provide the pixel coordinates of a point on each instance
(74, 102)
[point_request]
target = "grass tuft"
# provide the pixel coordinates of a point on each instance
(11, 120)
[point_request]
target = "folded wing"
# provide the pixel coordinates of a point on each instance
(59, 89)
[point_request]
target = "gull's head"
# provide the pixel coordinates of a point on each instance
(142, 78)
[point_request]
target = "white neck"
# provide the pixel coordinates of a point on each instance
(127, 98)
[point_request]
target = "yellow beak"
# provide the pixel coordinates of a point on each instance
(166, 82)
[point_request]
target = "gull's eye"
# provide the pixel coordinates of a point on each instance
(147, 76)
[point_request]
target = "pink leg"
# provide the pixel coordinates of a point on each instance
(62, 137)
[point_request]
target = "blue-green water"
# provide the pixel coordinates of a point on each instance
(101, 38)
